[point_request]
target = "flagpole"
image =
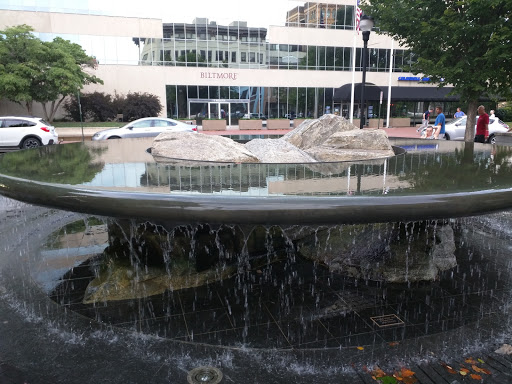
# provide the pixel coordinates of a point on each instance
(353, 81)
(391, 59)
(353, 65)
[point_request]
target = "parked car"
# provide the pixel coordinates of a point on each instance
(26, 132)
(145, 127)
(455, 129)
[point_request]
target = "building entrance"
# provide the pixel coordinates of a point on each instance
(230, 109)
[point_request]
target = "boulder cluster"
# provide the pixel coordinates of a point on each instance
(329, 138)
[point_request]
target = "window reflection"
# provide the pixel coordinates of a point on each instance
(206, 44)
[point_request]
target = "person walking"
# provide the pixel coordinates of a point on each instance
(459, 113)
(439, 125)
(426, 119)
(482, 126)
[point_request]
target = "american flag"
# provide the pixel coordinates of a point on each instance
(359, 11)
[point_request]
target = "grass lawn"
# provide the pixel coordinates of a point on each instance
(72, 124)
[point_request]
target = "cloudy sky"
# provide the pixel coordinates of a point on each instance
(260, 13)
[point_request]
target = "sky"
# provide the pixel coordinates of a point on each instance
(260, 13)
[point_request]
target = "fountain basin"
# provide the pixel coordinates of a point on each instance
(120, 179)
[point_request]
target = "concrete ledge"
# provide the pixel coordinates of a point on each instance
(504, 138)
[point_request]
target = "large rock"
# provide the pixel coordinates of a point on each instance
(356, 144)
(330, 138)
(396, 253)
(311, 133)
(374, 139)
(277, 151)
(200, 147)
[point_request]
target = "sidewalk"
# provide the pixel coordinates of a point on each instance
(68, 135)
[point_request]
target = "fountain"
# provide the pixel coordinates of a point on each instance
(124, 269)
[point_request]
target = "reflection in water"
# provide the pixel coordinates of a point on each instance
(66, 164)
(125, 165)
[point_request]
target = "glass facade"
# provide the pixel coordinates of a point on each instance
(219, 53)
(321, 15)
(199, 102)
(237, 101)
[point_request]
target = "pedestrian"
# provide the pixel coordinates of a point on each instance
(491, 116)
(482, 126)
(459, 113)
(426, 119)
(439, 125)
(427, 133)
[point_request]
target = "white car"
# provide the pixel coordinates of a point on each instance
(26, 132)
(455, 129)
(145, 127)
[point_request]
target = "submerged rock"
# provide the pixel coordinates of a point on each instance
(121, 281)
(395, 253)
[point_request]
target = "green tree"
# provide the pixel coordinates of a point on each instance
(465, 43)
(44, 72)
(20, 62)
(64, 75)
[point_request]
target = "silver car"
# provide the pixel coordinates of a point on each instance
(455, 129)
(145, 127)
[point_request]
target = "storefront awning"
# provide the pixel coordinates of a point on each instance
(372, 93)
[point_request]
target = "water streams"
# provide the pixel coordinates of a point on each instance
(127, 299)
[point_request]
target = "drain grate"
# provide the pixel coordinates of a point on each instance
(387, 321)
(200, 375)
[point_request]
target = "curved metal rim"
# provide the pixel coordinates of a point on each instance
(180, 208)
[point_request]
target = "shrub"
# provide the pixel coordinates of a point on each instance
(98, 106)
(504, 113)
(138, 105)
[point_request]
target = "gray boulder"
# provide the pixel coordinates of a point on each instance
(382, 252)
(199, 147)
(355, 144)
(277, 151)
(311, 133)
(330, 138)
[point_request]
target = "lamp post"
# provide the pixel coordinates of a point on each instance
(365, 25)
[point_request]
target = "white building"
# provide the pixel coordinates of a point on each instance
(303, 68)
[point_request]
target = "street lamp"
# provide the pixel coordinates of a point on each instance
(365, 25)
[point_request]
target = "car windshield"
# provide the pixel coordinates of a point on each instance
(44, 122)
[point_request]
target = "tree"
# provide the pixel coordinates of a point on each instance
(64, 74)
(20, 62)
(465, 43)
(45, 72)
